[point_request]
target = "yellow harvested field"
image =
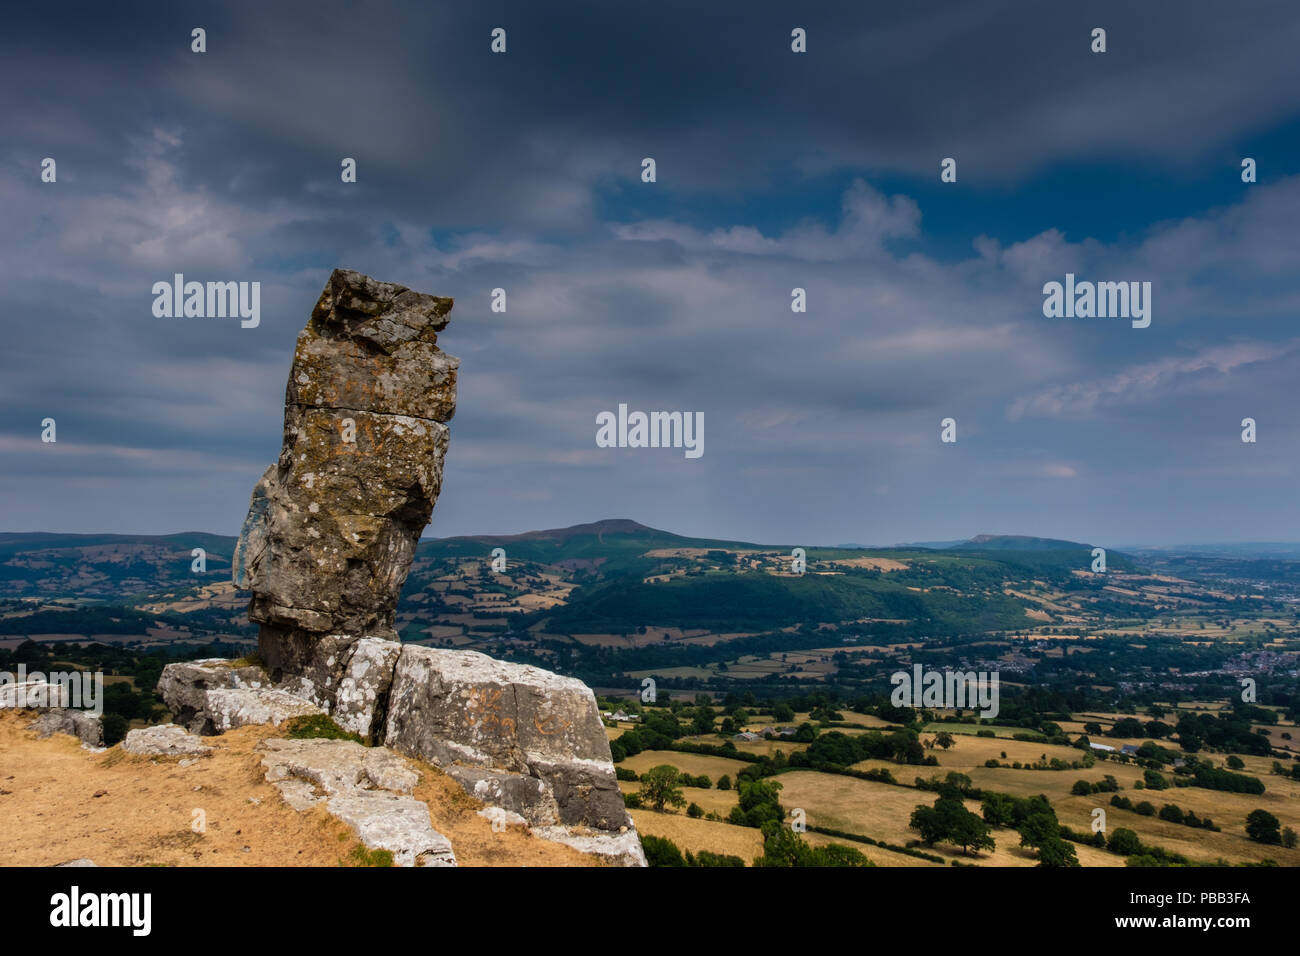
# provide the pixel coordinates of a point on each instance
(882, 812)
(696, 835)
(1227, 810)
(720, 801)
(694, 764)
(879, 564)
(768, 747)
(867, 720)
(971, 751)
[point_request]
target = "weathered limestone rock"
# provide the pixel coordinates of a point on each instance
(622, 848)
(211, 697)
(361, 703)
(527, 742)
(336, 766)
(164, 740)
(501, 818)
(517, 737)
(332, 526)
(86, 726)
(34, 694)
(368, 788)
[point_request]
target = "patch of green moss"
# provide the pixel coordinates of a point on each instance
(360, 856)
(318, 727)
(248, 660)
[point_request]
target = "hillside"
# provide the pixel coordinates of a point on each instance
(61, 802)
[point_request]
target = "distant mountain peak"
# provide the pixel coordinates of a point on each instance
(600, 528)
(1019, 542)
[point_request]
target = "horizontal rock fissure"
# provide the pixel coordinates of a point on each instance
(366, 411)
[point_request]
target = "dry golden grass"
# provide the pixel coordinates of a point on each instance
(1228, 811)
(59, 802)
(696, 835)
(719, 801)
(880, 564)
(882, 812)
(1053, 784)
(876, 810)
(694, 764)
(1275, 740)
(768, 748)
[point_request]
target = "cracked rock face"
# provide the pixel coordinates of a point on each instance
(333, 525)
(361, 703)
(518, 737)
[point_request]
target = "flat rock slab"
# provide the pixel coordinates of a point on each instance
(165, 740)
(618, 849)
(368, 788)
(337, 766)
(386, 821)
(228, 709)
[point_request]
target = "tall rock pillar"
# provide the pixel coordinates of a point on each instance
(333, 525)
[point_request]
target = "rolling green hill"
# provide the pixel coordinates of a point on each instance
(755, 601)
(613, 546)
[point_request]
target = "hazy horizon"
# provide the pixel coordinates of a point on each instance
(1261, 547)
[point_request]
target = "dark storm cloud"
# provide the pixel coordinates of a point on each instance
(444, 129)
(478, 171)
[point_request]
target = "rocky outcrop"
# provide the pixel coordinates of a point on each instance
(211, 697)
(164, 740)
(333, 525)
(34, 694)
(518, 738)
(361, 704)
(87, 727)
(325, 549)
(530, 740)
(56, 702)
(367, 788)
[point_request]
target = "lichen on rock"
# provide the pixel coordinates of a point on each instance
(333, 525)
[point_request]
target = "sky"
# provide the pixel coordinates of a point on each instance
(775, 170)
